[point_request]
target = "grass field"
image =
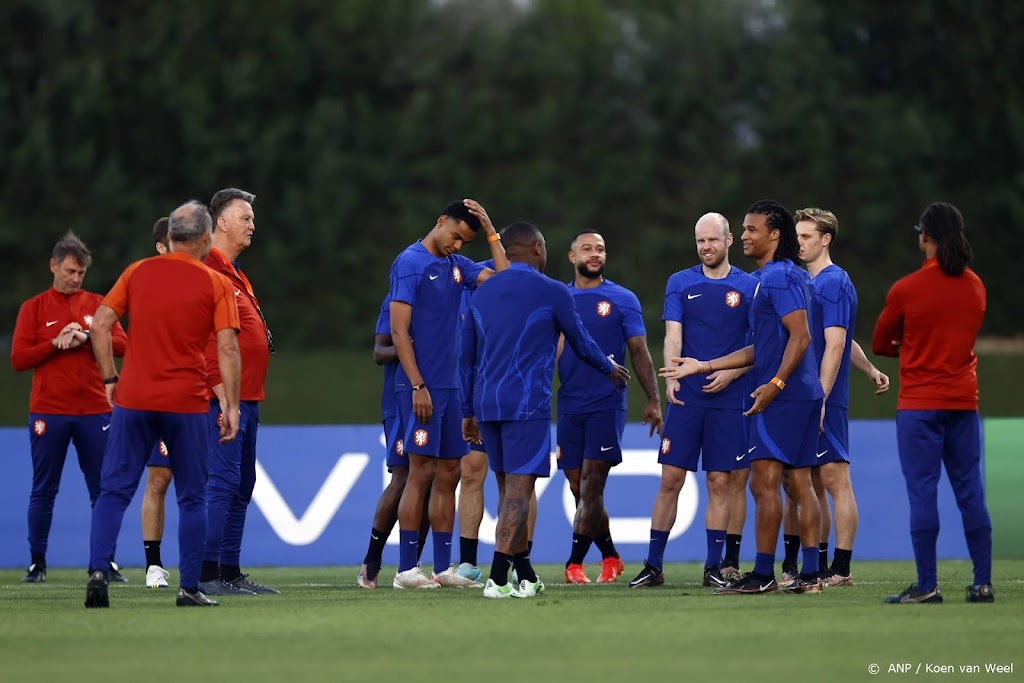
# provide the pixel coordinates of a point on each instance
(343, 387)
(323, 628)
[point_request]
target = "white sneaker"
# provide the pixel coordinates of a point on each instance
(529, 589)
(413, 578)
(156, 576)
(493, 590)
(452, 579)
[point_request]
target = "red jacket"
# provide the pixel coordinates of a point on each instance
(63, 382)
(936, 319)
(252, 336)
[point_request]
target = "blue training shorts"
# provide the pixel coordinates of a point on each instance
(442, 436)
(713, 436)
(590, 436)
(518, 446)
(788, 432)
(834, 444)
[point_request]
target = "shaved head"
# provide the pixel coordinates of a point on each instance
(715, 220)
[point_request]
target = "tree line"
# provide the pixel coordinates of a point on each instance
(355, 122)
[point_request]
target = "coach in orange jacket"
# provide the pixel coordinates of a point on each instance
(67, 403)
(931, 320)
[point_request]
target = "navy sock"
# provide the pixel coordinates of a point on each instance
(924, 556)
(764, 564)
(230, 572)
(467, 550)
(442, 550)
(376, 549)
(408, 553)
(841, 562)
(979, 545)
(732, 550)
(39, 559)
(580, 547)
(791, 545)
(716, 544)
(529, 546)
(499, 568)
(656, 551)
(823, 556)
(152, 549)
(209, 571)
(810, 566)
(524, 570)
(606, 546)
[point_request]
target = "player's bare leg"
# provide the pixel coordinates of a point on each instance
(471, 512)
(790, 540)
(515, 492)
(836, 478)
(158, 479)
(737, 520)
(716, 520)
(826, 518)
(384, 519)
(797, 483)
(663, 517)
(589, 517)
(422, 471)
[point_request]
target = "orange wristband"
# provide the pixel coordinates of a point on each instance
(493, 238)
(778, 382)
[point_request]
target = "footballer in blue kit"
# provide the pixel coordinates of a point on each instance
(591, 410)
(706, 316)
(787, 398)
(427, 281)
(386, 513)
(834, 313)
(509, 344)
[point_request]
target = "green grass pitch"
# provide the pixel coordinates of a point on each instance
(324, 628)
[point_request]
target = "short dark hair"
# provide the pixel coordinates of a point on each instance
(460, 212)
(520, 234)
(71, 245)
(224, 197)
(944, 223)
(777, 217)
(188, 222)
(160, 230)
(584, 231)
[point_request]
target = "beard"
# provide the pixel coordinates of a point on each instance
(586, 271)
(714, 263)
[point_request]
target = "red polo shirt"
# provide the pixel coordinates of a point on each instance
(175, 303)
(252, 337)
(63, 382)
(936, 319)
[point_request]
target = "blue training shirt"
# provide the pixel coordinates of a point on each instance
(433, 286)
(784, 288)
(388, 403)
(715, 319)
(509, 341)
(611, 313)
(835, 305)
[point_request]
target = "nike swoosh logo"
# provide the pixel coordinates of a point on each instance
(447, 542)
(740, 457)
(52, 322)
(434, 277)
(693, 296)
(764, 588)
(238, 292)
(751, 449)
(605, 449)
(823, 453)
(376, 538)
(106, 427)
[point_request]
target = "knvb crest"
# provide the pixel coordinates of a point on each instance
(39, 427)
(457, 275)
(604, 309)
(420, 437)
(732, 299)
(666, 446)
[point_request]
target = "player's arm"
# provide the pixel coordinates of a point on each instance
(103, 321)
(795, 323)
(684, 367)
(493, 241)
(859, 360)
(118, 339)
(889, 328)
(229, 360)
(467, 364)
(673, 348)
(559, 348)
(835, 343)
(643, 366)
(27, 352)
(401, 321)
(384, 350)
(581, 342)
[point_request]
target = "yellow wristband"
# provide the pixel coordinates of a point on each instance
(778, 382)
(493, 238)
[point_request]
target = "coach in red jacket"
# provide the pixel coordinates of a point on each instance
(931, 320)
(67, 403)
